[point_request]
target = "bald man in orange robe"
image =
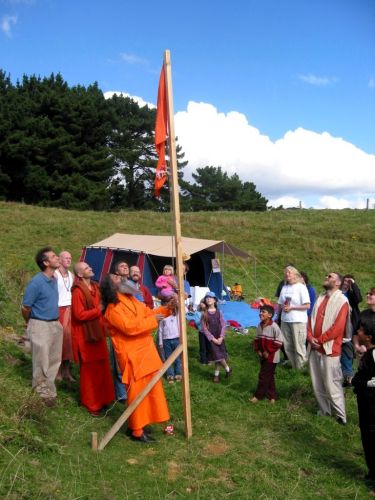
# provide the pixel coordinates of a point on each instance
(131, 324)
(89, 344)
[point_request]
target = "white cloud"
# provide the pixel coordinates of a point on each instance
(135, 98)
(371, 82)
(318, 81)
(132, 59)
(339, 203)
(302, 164)
(6, 24)
(285, 201)
(332, 202)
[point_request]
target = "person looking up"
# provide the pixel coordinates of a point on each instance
(64, 284)
(144, 293)
(131, 324)
(121, 268)
(352, 292)
(364, 388)
(166, 283)
(325, 331)
(213, 326)
(89, 344)
(294, 301)
(41, 312)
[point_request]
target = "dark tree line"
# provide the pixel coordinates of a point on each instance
(70, 147)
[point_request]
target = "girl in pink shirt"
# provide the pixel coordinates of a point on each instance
(166, 283)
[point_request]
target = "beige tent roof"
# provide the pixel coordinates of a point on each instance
(163, 246)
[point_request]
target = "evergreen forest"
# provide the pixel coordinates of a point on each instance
(69, 147)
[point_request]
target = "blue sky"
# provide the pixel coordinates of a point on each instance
(281, 92)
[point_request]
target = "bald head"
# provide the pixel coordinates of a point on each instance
(65, 259)
(83, 270)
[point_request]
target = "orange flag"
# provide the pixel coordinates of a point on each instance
(161, 133)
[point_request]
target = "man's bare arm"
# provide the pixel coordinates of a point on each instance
(26, 311)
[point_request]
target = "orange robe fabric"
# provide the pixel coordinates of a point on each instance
(131, 324)
(95, 384)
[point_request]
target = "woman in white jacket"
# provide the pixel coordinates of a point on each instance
(294, 301)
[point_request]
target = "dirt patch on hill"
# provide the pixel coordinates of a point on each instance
(219, 447)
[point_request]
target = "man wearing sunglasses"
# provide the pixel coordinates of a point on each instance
(325, 330)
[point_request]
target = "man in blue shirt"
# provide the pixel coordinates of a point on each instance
(41, 313)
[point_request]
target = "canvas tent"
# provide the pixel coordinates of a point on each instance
(151, 253)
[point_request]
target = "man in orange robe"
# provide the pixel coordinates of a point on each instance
(131, 324)
(89, 345)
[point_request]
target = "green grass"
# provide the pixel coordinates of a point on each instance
(238, 450)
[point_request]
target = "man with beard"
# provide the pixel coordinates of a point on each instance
(144, 293)
(131, 324)
(325, 331)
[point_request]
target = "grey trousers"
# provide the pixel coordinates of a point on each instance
(326, 378)
(294, 335)
(46, 348)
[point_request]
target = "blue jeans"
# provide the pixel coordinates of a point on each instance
(169, 345)
(120, 390)
(346, 359)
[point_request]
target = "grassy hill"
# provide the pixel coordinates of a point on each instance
(238, 450)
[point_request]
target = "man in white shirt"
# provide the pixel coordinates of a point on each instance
(64, 284)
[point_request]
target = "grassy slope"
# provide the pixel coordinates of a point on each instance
(237, 450)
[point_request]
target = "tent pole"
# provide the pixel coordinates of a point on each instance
(222, 273)
(175, 209)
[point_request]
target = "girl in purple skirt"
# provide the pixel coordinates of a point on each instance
(213, 326)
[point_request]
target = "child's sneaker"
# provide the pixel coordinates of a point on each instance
(170, 379)
(178, 378)
(169, 430)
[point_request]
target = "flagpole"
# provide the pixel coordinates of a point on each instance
(175, 210)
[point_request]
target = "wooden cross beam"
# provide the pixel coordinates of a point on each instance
(129, 410)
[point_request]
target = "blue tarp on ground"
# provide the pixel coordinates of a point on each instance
(240, 312)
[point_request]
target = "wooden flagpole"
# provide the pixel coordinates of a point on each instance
(175, 205)
(175, 209)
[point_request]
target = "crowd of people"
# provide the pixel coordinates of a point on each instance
(107, 329)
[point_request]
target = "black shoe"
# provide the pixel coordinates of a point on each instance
(143, 439)
(228, 373)
(146, 430)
